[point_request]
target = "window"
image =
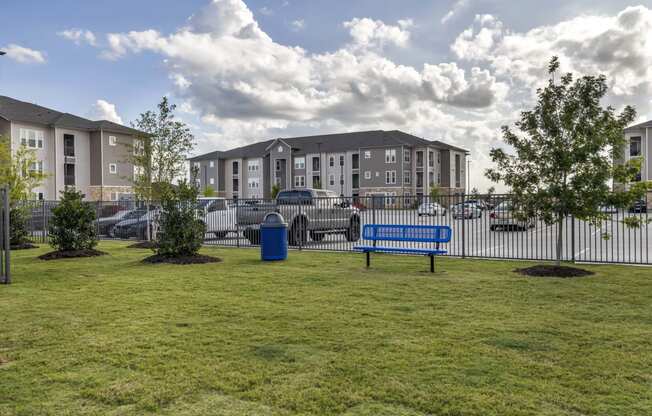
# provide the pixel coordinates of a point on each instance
(458, 171)
(279, 149)
(254, 183)
(253, 166)
(341, 160)
(419, 179)
(390, 177)
(407, 177)
(69, 145)
(367, 174)
(278, 165)
(299, 162)
(113, 168)
(635, 146)
(197, 164)
(367, 154)
(31, 138)
(115, 196)
(355, 181)
(113, 141)
(69, 174)
(236, 168)
(212, 164)
(390, 156)
(355, 161)
(431, 158)
(419, 159)
(315, 164)
(236, 185)
(316, 182)
(406, 155)
(36, 166)
(299, 181)
(211, 181)
(331, 161)
(331, 180)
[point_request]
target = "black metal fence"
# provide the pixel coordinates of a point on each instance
(5, 242)
(483, 226)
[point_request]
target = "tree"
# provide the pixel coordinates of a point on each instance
(275, 190)
(434, 193)
(563, 158)
(209, 192)
(159, 155)
(71, 225)
(21, 172)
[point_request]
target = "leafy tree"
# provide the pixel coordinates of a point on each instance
(275, 190)
(209, 192)
(434, 193)
(71, 225)
(563, 159)
(18, 170)
(181, 231)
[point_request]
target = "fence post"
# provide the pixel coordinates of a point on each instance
(237, 224)
(6, 243)
(463, 225)
(373, 214)
(43, 225)
(572, 238)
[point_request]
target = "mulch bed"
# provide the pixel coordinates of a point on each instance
(56, 255)
(543, 270)
(23, 246)
(198, 259)
(144, 244)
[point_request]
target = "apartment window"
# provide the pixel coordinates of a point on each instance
(69, 145)
(419, 179)
(115, 196)
(197, 164)
(278, 165)
(211, 181)
(342, 160)
(211, 164)
(431, 158)
(367, 174)
(635, 146)
(31, 138)
(113, 168)
(367, 154)
(36, 166)
(331, 161)
(355, 181)
(355, 161)
(390, 177)
(407, 177)
(390, 156)
(253, 166)
(254, 183)
(299, 181)
(315, 164)
(113, 141)
(279, 149)
(406, 155)
(299, 162)
(236, 185)
(458, 171)
(236, 168)
(316, 182)
(419, 159)
(69, 174)
(331, 180)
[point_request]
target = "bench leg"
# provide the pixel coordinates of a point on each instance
(432, 264)
(368, 259)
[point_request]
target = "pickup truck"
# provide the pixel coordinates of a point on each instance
(312, 212)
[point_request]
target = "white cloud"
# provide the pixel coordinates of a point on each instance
(457, 8)
(298, 25)
(104, 110)
(375, 33)
(79, 36)
(24, 55)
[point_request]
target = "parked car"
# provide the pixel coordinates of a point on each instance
(431, 209)
(220, 217)
(311, 212)
(504, 217)
(638, 207)
(466, 211)
(136, 227)
(104, 225)
(478, 202)
(608, 209)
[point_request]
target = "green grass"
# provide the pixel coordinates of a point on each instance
(319, 334)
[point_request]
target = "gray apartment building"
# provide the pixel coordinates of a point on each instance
(369, 163)
(90, 155)
(639, 145)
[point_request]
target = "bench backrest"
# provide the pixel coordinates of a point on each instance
(413, 233)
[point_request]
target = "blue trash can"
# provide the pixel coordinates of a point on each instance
(273, 238)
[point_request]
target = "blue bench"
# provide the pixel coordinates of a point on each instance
(436, 234)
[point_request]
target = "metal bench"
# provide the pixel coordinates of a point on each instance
(436, 234)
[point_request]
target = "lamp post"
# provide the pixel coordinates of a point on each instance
(468, 175)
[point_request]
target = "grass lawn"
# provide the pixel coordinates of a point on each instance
(319, 334)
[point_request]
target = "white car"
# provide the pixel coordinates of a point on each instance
(466, 211)
(219, 216)
(431, 209)
(504, 217)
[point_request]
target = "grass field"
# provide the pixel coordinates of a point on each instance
(319, 334)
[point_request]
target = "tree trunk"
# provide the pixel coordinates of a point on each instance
(560, 229)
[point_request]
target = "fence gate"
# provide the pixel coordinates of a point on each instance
(5, 263)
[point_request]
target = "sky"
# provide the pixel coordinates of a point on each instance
(243, 71)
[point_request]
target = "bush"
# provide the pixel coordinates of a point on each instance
(71, 225)
(18, 226)
(181, 231)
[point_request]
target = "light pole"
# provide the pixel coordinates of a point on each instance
(468, 175)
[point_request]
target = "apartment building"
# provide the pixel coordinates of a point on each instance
(90, 155)
(370, 163)
(639, 145)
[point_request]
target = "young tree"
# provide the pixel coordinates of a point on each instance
(71, 225)
(563, 159)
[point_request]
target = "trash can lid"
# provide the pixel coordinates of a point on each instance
(274, 220)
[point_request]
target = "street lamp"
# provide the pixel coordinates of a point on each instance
(468, 175)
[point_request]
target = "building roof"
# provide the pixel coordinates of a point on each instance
(21, 111)
(332, 143)
(647, 124)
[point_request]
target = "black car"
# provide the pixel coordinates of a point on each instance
(104, 225)
(135, 227)
(638, 207)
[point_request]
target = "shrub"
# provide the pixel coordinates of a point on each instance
(17, 226)
(71, 225)
(181, 231)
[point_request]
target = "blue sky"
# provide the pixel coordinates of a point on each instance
(244, 71)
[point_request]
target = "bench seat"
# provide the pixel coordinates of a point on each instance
(424, 251)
